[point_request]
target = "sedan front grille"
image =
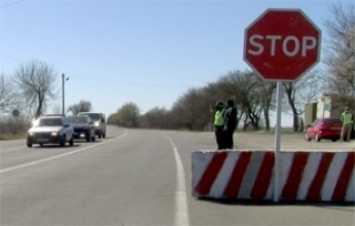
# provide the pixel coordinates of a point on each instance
(43, 135)
(81, 130)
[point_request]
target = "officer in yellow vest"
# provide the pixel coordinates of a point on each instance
(348, 123)
(219, 125)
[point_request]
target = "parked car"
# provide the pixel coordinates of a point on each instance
(83, 127)
(324, 128)
(99, 122)
(55, 129)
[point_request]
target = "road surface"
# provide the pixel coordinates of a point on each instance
(132, 177)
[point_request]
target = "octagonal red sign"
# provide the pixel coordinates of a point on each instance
(282, 44)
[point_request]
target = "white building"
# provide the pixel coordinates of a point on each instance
(324, 107)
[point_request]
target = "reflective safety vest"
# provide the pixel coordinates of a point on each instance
(347, 118)
(219, 118)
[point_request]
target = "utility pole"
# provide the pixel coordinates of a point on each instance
(63, 92)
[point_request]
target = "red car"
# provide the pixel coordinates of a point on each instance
(324, 128)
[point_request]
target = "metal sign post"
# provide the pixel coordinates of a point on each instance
(277, 142)
(281, 45)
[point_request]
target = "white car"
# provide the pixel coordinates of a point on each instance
(50, 130)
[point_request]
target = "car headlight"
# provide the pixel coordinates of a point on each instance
(31, 134)
(54, 134)
(96, 124)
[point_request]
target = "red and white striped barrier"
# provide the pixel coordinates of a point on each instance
(304, 176)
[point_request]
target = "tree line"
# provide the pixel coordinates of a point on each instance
(194, 110)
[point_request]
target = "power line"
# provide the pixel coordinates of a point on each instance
(10, 57)
(10, 4)
(128, 83)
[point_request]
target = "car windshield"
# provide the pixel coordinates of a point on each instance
(94, 116)
(49, 122)
(78, 120)
(315, 122)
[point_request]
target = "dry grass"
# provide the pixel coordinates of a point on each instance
(10, 136)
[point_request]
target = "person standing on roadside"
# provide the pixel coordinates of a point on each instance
(219, 126)
(230, 122)
(348, 123)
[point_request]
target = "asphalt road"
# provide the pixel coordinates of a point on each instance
(133, 177)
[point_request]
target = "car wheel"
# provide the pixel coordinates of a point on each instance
(29, 145)
(104, 135)
(318, 139)
(41, 144)
(63, 141)
(100, 135)
(334, 139)
(71, 142)
(307, 138)
(93, 138)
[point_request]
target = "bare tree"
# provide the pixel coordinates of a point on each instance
(155, 118)
(82, 106)
(340, 52)
(128, 115)
(36, 81)
(192, 110)
(57, 109)
(113, 119)
(8, 97)
(267, 98)
(302, 91)
(243, 87)
(227, 87)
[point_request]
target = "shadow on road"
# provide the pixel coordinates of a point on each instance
(54, 146)
(333, 205)
(86, 142)
(77, 143)
(107, 137)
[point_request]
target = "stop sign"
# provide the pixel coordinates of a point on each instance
(282, 45)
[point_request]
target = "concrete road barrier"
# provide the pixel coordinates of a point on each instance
(304, 176)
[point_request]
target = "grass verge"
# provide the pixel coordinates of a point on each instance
(10, 136)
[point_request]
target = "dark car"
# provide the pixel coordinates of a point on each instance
(324, 128)
(83, 127)
(99, 122)
(50, 130)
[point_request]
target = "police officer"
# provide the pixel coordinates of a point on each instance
(348, 122)
(230, 122)
(219, 126)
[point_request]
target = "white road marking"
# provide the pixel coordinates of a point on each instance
(181, 210)
(61, 155)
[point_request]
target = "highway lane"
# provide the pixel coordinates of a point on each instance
(110, 184)
(131, 178)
